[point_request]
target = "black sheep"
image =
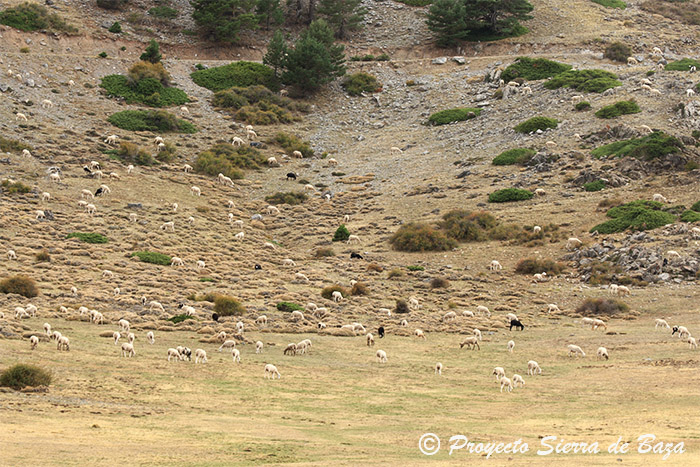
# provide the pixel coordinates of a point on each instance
(380, 331)
(355, 256)
(99, 192)
(258, 267)
(517, 324)
(215, 317)
(87, 169)
(291, 176)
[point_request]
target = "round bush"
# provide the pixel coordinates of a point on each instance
(536, 123)
(618, 52)
(21, 376)
(357, 83)
(594, 186)
(618, 108)
(453, 115)
(225, 305)
(236, 74)
(153, 257)
(509, 194)
(341, 234)
(420, 237)
(20, 285)
(533, 69)
(519, 156)
(581, 106)
(327, 292)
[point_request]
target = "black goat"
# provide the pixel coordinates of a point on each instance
(380, 331)
(517, 324)
(215, 317)
(291, 176)
(355, 256)
(258, 267)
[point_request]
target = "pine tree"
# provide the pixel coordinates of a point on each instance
(223, 20)
(269, 11)
(343, 15)
(497, 16)
(276, 51)
(447, 19)
(152, 53)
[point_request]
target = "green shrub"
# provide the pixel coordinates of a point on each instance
(115, 28)
(584, 80)
(583, 105)
(102, 54)
(683, 64)
(594, 186)
(34, 17)
(239, 74)
(690, 216)
(652, 146)
(417, 236)
(12, 188)
(396, 272)
(43, 256)
(258, 105)
(618, 52)
(453, 115)
(533, 69)
(20, 376)
(637, 215)
(538, 266)
(324, 253)
(147, 90)
(439, 283)
(618, 108)
(341, 234)
(130, 152)
(225, 305)
(11, 145)
(401, 307)
(289, 197)
(111, 4)
(465, 226)
(291, 143)
(601, 306)
(152, 53)
(163, 12)
(20, 285)
(509, 194)
(153, 257)
(289, 307)
(88, 237)
(619, 4)
(536, 123)
(206, 279)
(357, 83)
(179, 318)
(519, 156)
(157, 121)
(327, 292)
(415, 268)
(696, 207)
(229, 160)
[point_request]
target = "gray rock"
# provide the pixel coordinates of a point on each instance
(664, 276)
(439, 61)
(134, 206)
(459, 60)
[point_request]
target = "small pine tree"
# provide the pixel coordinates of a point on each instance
(269, 11)
(446, 18)
(152, 53)
(341, 234)
(343, 15)
(223, 20)
(276, 51)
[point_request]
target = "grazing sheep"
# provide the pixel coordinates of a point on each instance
(112, 139)
(689, 93)
(31, 310)
(506, 383)
(187, 168)
(483, 310)
(540, 192)
(682, 331)
(221, 336)
(419, 333)
(168, 225)
(477, 333)
(370, 339)
(176, 261)
(695, 232)
(250, 134)
(229, 344)
(602, 353)
(272, 161)
(153, 304)
(661, 323)
(499, 372)
(40, 215)
(321, 325)
(21, 313)
(622, 291)
(468, 313)
(673, 254)
(236, 141)
(449, 316)
(471, 342)
(553, 308)
(20, 116)
(46, 196)
(576, 99)
(258, 347)
(533, 367)
(297, 315)
(174, 353)
(693, 344)
(332, 162)
(536, 229)
(511, 316)
(175, 206)
(291, 349)
(47, 330)
(511, 346)
(107, 274)
(91, 209)
(542, 277)
(518, 379)
(124, 325)
(353, 239)
(517, 324)
(185, 353)
(33, 341)
(150, 337)
(129, 169)
(239, 327)
(438, 368)
(632, 61)
(63, 343)
(11, 255)
(200, 355)
(395, 151)
(272, 210)
(288, 262)
(271, 371)
(381, 356)
(337, 296)
(298, 155)
(54, 177)
(128, 350)
(598, 323)
(236, 355)
(575, 350)
(196, 191)
(201, 264)
(239, 236)
(659, 198)
(572, 243)
(495, 266)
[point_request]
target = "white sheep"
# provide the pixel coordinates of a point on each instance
(541, 277)
(63, 343)
(661, 323)
(11, 255)
(419, 333)
(673, 254)
(353, 239)
(483, 310)
(31, 309)
(272, 210)
(91, 209)
(176, 261)
(239, 236)
(575, 350)
(47, 330)
(107, 274)
(33, 341)
(692, 343)
(404, 323)
(200, 355)
(271, 371)
(74, 291)
(114, 175)
(533, 367)
(449, 316)
(297, 315)
(262, 320)
(506, 383)
(632, 61)
(168, 225)
(221, 336)
(153, 304)
(689, 93)
(395, 151)
(258, 347)
(161, 147)
(602, 353)
(112, 139)
(46, 196)
(659, 198)
(438, 368)
(151, 337)
(336, 296)
(370, 339)
(40, 215)
(622, 291)
(229, 344)
(477, 333)
(598, 323)
(495, 266)
(309, 187)
(682, 331)
(572, 243)
(236, 141)
(291, 349)
(250, 134)
(54, 177)
(128, 350)
(124, 325)
(236, 355)
(129, 169)
(471, 342)
(239, 327)
(511, 317)
(20, 116)
(468, 313)
(695, 232)
(381, 356)
(196, 191)
(174, 353)
(511, 346)
(553, 308)
(187, 168)
(21, 313)
(499, 372)
(576, 99)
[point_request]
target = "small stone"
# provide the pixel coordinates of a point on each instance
(439, 61)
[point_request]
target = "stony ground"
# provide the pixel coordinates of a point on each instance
(440, 169)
